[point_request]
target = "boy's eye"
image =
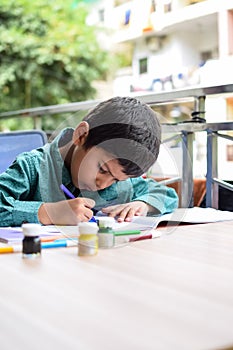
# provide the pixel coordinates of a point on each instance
(106, 171)
(101, 170)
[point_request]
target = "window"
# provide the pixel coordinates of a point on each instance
(143, 65)
(101, 15)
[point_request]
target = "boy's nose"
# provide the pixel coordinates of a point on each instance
(104, 182)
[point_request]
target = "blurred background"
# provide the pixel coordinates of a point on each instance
(60, 52)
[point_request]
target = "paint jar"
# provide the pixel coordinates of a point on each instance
(88, 239)
(106, 233)
(31, 241)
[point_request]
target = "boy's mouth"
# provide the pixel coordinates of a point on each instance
(85, 187)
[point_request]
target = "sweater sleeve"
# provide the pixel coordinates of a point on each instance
(164, 199)
(17, 186)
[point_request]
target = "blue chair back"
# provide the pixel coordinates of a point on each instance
(15, 142)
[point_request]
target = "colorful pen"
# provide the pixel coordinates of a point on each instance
(66, 191)
(69, 194)
(125, 233)
(147, 236)
(13, 249)
(60, 243)
(50, 238)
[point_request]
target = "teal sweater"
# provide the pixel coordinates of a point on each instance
(35, 177)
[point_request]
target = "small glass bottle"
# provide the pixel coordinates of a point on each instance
(88, 240)
(31, 240)
(106, 232)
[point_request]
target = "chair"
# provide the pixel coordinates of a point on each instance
(15, 142)
(199, 189)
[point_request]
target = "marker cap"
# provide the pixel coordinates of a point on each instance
(105, 222)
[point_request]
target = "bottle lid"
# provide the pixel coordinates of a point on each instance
(106, 222)
(31, 230)
(88, 228)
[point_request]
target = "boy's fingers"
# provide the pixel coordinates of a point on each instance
(113, 213)
(109, 209)
(88, 202)
(139, 211)
(113, 210)
(126, 214)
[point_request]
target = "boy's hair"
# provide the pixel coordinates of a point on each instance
(128, 129)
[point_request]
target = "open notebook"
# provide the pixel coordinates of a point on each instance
(194, 215)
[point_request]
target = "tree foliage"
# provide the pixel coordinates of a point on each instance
(48, 55)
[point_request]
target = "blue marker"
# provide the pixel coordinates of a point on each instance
(69, 194)
(59, 244)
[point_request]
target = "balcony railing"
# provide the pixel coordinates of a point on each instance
(184, 130)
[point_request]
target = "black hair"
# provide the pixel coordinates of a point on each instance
(128, 129)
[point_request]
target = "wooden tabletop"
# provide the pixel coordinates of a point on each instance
(172, 292)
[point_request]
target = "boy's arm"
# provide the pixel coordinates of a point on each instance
(21, 201)
(15, 191)
(162, 198)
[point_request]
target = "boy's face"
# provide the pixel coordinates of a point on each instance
(95, 169)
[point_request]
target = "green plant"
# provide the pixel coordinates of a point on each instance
(48, 55)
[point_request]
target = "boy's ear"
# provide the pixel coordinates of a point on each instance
(80, 133)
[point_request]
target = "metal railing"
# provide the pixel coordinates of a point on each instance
(184, 130)
(212, 180)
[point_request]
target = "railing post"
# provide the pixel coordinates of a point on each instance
(187, 170)
(212, 170)
(198, 115)
(37, 122)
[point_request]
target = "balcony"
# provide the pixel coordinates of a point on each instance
(134, 19)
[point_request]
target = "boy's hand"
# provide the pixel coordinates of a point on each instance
(67, 212)
(125, 212)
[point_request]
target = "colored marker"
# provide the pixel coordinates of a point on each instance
(14, 249)
(141, 238)
(50, 238)
(60, 243)
(125, 233)
(92, 219)
(69, 194)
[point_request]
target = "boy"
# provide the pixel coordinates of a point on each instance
(100, 162)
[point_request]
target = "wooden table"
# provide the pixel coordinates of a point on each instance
(173, 292)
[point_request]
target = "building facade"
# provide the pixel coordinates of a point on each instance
(174, 44)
